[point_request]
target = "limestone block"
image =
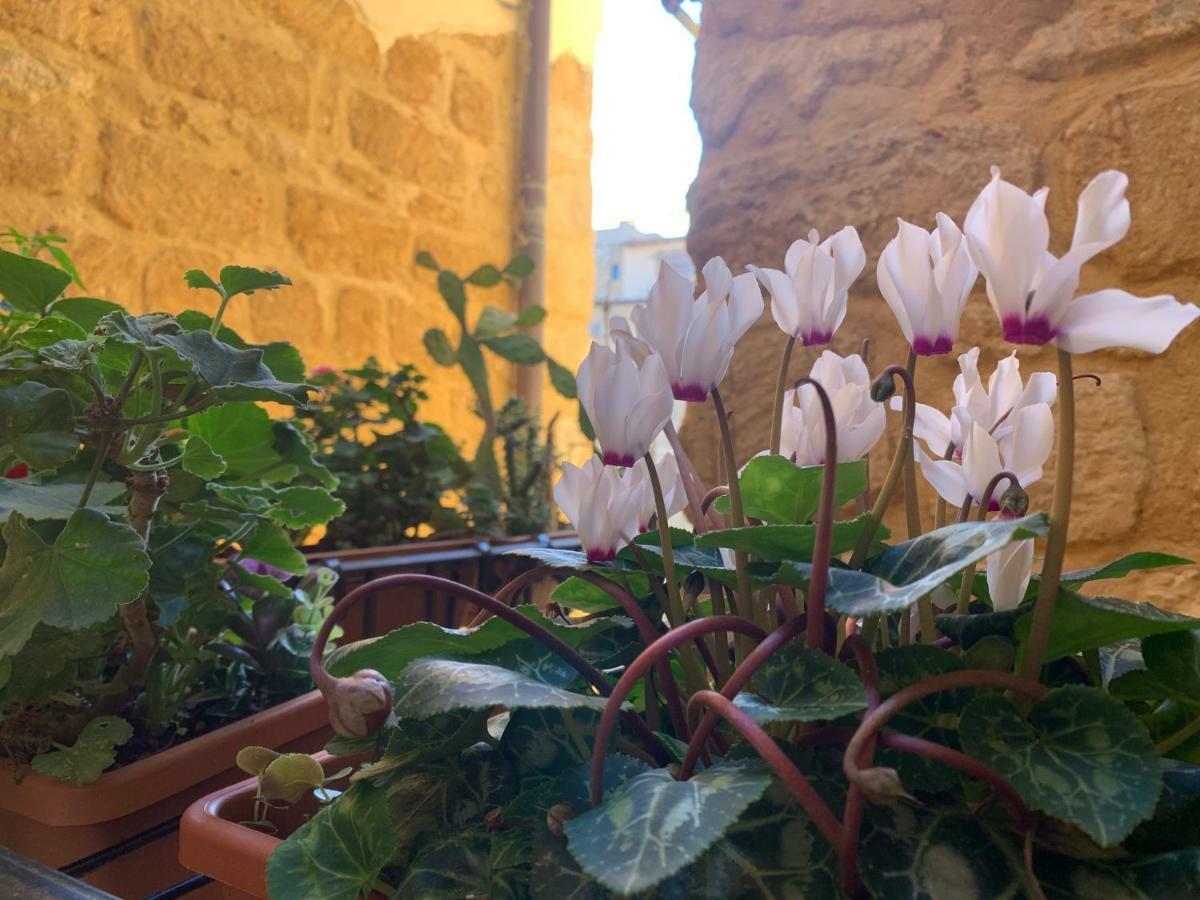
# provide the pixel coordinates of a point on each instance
(40, 147)
(104, 28)
(414, 69)
(331, 27)
(361, 321)
(295, 314)
(206, 53)
(337, 235)
(472, 109)
(168, 188)
(404, 144)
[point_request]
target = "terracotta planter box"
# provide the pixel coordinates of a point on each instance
(212, 843)
(58, 823)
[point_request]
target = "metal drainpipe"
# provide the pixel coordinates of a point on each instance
(531, 187)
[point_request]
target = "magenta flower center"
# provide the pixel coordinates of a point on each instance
(1034, 330)
(625, 460)
(691, 393)
(816, 338)
(599, 554)
(923, 346)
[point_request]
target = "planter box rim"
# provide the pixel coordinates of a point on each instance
(160, 775)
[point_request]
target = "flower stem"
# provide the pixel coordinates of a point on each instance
(912, 508)
(985, 503)
(780, 390)
(744, 597)
(1060, 515)
(899, 461)
(1191, 729)
(687, 474)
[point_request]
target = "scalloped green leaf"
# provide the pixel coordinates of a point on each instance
(200, 459)
(653, 825)
(428, 687)
(269, 543)
(902, 574)
(799, 684)
(787, 542)
(1083, 623)
(200, 280)
(93, 566)
(93, 752)
(56, 499)
(49, 330)
(37, 426)
(30, 285)
(1081, 757)
(339, 852)
(245, 280)
(86, 312)
(779, 492)
(294, 507)
(243, 435)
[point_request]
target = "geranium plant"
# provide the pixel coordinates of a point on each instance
(785, 701)
(149, 587)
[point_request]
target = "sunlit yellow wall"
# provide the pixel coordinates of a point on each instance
(330, 139)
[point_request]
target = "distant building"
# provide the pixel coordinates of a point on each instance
(627, 263)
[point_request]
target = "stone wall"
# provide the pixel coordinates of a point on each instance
(829, 112)
(159, 135)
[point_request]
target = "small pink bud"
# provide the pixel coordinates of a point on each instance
(881, 785)
(323, 370)
(359, 705)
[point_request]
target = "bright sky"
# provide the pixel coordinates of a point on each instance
(646, 147)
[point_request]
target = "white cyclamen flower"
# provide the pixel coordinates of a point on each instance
(1008, 574)
(674, 498)
(992, 407)
(623, 338)
(808, 299)
(926, 277)
(1033, 292)
(627, 404)
(600, 505)
(860, 420)
(695, 338)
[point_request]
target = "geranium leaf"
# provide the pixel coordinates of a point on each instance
(787, 542)
(55, 499)
(93, 752)
(244, 280)
(779, 492)
(799, 684)
(653, 825)
(902, 574)
(1082, 623)
(37, 426)
(336, 855)
(200, 459)
(431, 686)
(269, 543)
(50, 330)
(93, 566)
(1081, 757)
(241, 434)
(30, 285)
(908, 852)
(86, 312)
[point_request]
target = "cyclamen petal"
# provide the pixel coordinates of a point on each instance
(628, 405)
(601, 504)
(808, 298)
(1033, 292)
(1008, 574)
(695, 338)
(860, 420)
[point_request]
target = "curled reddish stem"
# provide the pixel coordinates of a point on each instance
(947, 681)
(652, 656)
(711, 497)
(510, 590)
(985, 504)
(327, 684)
(823, 541)
(1091, 376)
(852, 814)
(649, 635)
(793, 779)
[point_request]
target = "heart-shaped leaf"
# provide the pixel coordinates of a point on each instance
(93, 566)
(200, 459)
(269, 543)
(338, 853)
(1082, 623)
(799, 684)
(1081, 757)
(779, 492)
(244, 280)
(653, 825)
(56, 499)
(902, 574)
(431, 686)
(786, 542)
(30, 285)
(36, 426)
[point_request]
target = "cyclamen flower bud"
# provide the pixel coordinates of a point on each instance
(360, 704)
(1014, 502)
(883, 387)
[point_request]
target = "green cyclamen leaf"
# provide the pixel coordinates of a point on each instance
(903, 574)
(653, 825)
(91, 567)
(1081, 757)
(93, 752)
(36, 425)
(779, 492)
(431, 686)
(336, 855)
(786, 542)
(799, 684)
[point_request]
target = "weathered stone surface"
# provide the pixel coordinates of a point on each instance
(104, 28)
(403, 144)
(361, 325)
(823, 113)
(1105, 33)
(207, 54)
(40, 146)
(328, 26)
(336, 235)
(295, 314)
(155, 184)
(471, 107)
(414, 69)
